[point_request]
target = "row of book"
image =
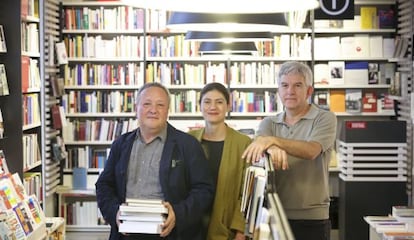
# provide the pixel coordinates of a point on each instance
(99, 101)
(86, 157)
(31, 151)
(97, 130)
(351, 73)
(82, 213)
(358, 45)
(30, 74)
(98, 46)
(114, 18)
(31, 109)
(30, 37)
(354, 101)
(89, 74)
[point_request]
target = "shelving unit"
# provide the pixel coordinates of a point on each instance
(164, 56)
(22, 108)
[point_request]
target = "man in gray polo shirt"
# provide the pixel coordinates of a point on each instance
(299, 141)
(157, 161)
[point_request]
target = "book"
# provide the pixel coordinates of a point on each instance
(4, 169)
(337, 100)
(4, 86)
(336, 70)
(79, 178)
(143, 216)
(56, 120)
(368, 17)
(146, 209)
(23, 218)
(3, 47)
(353, 100)
(386, 18)
(25, 65)
(321, 98)
(61, 54)
(373, 73)
(369, 101)
(400, 210)
(140, 227)
(1, 125)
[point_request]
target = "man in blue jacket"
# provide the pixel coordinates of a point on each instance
(157, 161)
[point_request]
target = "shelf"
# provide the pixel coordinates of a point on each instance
(102, 87)
(95, 143)
(102, 115)
(93, 228)
(354, 30)
(371, 86)
(109, 59)
(372, 114)
(94, 31)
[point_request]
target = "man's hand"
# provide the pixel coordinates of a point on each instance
(169, 223)
(256, 149)
(278, 157)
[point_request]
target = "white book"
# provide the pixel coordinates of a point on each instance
(321, 74)
(388, 46)
(362, 45)
(376, 46)
(140, 227)
(61, 53)
(141, 216)
(146, 209)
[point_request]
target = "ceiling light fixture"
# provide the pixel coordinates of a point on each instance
(220, 6)
(213, 22)
(228, 36)
(227, 48)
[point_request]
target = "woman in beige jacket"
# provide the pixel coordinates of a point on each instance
(223, 147)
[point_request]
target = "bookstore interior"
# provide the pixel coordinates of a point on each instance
(70, 71)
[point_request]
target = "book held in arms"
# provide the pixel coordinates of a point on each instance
(142, 216)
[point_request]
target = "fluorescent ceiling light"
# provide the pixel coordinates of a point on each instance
(220, 6)
(228, 36)
(214, 22)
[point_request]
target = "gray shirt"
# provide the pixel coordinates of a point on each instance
(304, 188)
(143, 168)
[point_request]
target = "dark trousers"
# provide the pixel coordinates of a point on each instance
(311, 229)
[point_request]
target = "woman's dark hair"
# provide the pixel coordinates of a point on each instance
(215, 86)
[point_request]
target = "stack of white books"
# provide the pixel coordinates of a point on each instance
(142, 216)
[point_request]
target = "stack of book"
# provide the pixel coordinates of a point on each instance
(142, 216)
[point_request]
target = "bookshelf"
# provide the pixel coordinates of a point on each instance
(163, 56)
(22, 111)
(361, 50)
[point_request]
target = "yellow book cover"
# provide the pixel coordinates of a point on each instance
(337, 100)
(369, 17)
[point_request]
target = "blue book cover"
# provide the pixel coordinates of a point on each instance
(79, 178)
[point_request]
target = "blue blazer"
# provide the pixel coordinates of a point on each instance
(185, 182)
